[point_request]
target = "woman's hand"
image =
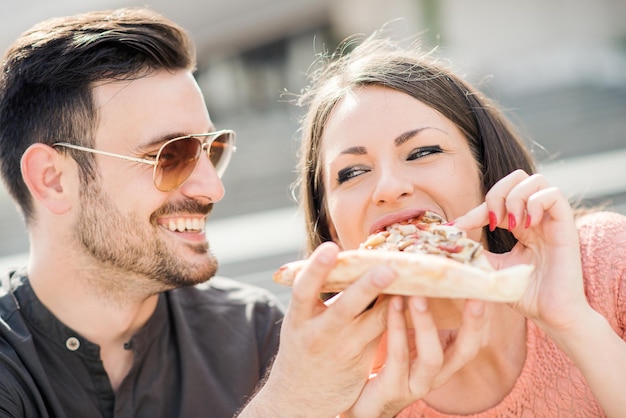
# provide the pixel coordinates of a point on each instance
(543, 222)
(417, 360)
(541, 219)
(326, 350)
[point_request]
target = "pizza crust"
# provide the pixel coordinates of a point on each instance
(421, 275)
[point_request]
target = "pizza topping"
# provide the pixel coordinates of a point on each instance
(425, 234)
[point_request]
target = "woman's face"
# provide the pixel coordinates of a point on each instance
(388, 157)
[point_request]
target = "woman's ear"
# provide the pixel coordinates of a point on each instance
(43, 171)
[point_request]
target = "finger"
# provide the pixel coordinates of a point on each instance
(549, 201)
(474, 219)
(357, 297)
(365, 330)
(496, 198)
(472, 336)
(493, 211)
(518, 197)
(397, 360)
(305, 300)
(430, 356)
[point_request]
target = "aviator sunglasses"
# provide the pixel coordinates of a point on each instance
(178, 157)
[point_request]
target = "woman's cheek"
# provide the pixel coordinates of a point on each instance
(340, 226)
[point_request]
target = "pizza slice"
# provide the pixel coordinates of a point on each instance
(431, 259)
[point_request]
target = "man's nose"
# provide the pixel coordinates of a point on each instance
(204, 181)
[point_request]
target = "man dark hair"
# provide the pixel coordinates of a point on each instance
(103, 132)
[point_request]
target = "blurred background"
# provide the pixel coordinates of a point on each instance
(558, 67)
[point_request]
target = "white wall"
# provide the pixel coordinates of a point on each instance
(538, 43)
(532, 44)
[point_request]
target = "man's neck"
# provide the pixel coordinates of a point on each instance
(104, 306)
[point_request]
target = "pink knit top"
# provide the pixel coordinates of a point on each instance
(550, 385)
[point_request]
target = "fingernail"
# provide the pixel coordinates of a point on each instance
(323, 259)
(527, 223)
(419, 304)
(397, 304)
(323, 256)
(512, 222)
(493, 221)
(450, 223)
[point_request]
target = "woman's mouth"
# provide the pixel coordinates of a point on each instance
(406, 217)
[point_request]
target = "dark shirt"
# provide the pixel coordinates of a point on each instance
(201, 353)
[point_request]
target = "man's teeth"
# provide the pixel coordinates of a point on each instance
(185, 224)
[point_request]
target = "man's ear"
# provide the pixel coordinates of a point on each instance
(43, 171)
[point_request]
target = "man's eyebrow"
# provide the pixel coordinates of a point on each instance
(160, 139)
(156, 141)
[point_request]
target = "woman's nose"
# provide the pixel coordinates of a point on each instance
(392, 185)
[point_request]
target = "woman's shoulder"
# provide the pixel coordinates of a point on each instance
(603, 256)
(602, 228)
(586, 216)
(602, 235)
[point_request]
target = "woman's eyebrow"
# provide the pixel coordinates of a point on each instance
(402, 138)
(354, 151)
(399, 140)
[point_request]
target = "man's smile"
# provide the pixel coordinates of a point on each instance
(183, 223)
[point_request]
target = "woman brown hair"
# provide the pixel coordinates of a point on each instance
(390, 133)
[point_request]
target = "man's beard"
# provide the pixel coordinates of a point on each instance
(128, 243)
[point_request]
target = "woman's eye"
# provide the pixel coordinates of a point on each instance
(423, 152)
(349, 173)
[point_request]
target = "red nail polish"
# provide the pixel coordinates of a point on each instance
(512, 222)
(527, 223)
(493, 221)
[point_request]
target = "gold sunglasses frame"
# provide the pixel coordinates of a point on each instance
(155, 162)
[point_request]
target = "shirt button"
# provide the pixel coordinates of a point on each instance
(72, 343)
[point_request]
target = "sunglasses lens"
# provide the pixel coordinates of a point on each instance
(176, 162)
(177, 159)
(220, 152)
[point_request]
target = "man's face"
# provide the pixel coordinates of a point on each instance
(124, 221)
